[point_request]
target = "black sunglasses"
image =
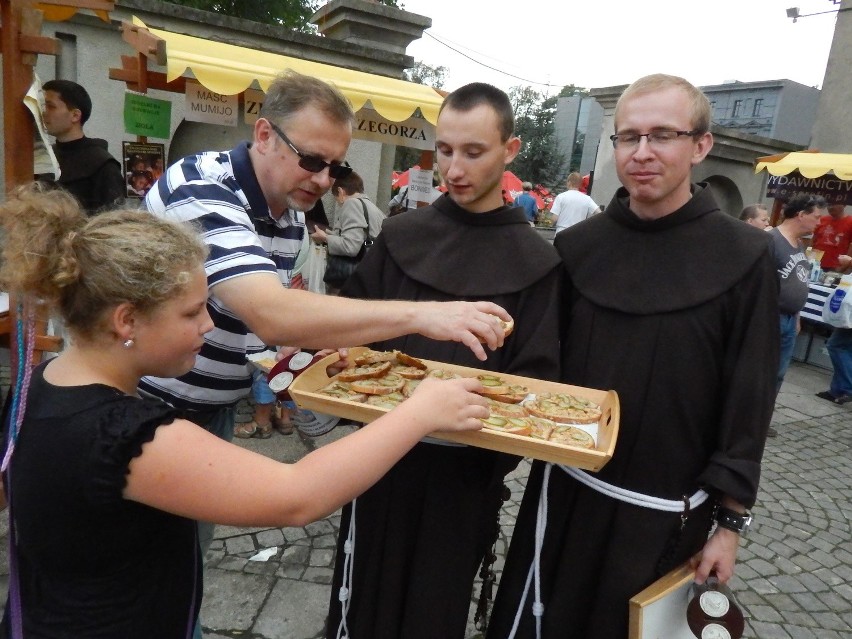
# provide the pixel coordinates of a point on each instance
(312, 163)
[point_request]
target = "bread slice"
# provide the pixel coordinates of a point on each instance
(570, 436)
(492, 384)
(389, 401)
(516, 394)
(514, 425)
(541, 428)
(342, 390)
(409, 386)
(507, 327)
(506, 410)
(408, 360)
(440, 373)
(367, 371)
(409, 372)
(564, 409)
(375, 357)
(386, 385)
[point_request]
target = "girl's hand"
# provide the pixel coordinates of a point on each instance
(450, 405)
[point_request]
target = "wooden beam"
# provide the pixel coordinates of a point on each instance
(129, 73)
(144, 42)
(18, 125)
(38, 44)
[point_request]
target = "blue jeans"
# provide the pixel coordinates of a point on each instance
(788, 344)
(260, 390)
(840, 351)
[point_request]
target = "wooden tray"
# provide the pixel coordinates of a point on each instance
(304, 392)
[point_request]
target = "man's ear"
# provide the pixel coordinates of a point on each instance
(702, 148)
(513, 147)
(77, 116)
(264, 137)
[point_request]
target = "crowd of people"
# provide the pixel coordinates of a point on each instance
(122, 440)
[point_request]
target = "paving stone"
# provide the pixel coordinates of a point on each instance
(237, 545)
(799, 632)
(763, 630)
(318, 575)
(270, 538)
(232, 601)
(321, 558)
(292, 535)
(295, 609)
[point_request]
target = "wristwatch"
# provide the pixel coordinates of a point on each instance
(732, 520)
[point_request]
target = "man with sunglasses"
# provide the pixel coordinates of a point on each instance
(248, 204)
(673, 304)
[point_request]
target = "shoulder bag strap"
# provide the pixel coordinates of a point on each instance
(369, 239)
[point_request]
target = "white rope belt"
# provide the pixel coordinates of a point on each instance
(345, 592)
(632, 497)
(622, 494)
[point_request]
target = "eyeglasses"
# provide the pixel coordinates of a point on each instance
(312, 163)
(655, 138)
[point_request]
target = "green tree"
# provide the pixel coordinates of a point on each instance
(539, 161)
(420, 73)
(571, 90)
(289, 13)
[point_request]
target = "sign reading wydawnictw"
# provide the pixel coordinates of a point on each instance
(204, 105)
(415, 133)
(831, 187)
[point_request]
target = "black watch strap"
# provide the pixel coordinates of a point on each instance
(732, 520)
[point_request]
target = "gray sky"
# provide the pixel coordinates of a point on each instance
(599, 43)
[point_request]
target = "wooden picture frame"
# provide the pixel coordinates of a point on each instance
(659, 611)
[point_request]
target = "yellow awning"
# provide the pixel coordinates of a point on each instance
(229, 69)
(61, 10)
(809, 164)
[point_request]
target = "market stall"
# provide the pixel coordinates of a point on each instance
(825, 174)
(828, 175)
(21, 42)
(388, 110)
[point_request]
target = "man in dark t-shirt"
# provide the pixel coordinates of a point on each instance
(801, 215)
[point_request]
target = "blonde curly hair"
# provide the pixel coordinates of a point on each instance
(82, 266)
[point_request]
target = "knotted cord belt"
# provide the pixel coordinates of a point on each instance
(683, 506)
(345, 592)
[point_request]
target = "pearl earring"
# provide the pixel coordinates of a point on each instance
(128, 343)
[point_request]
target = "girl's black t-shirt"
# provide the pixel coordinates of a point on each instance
(92, 564)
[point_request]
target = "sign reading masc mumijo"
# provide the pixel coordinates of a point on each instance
(204, 105)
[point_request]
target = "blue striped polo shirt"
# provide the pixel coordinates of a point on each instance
(219, 193)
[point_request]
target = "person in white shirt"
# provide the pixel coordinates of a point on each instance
(572, 206)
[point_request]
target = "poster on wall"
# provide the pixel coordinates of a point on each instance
(143, 165)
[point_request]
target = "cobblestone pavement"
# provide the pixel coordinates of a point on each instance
(794, 574)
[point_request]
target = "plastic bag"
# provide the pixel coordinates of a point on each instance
(314, 269)
(837, 310)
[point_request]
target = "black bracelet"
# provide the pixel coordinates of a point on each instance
(732, 520)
